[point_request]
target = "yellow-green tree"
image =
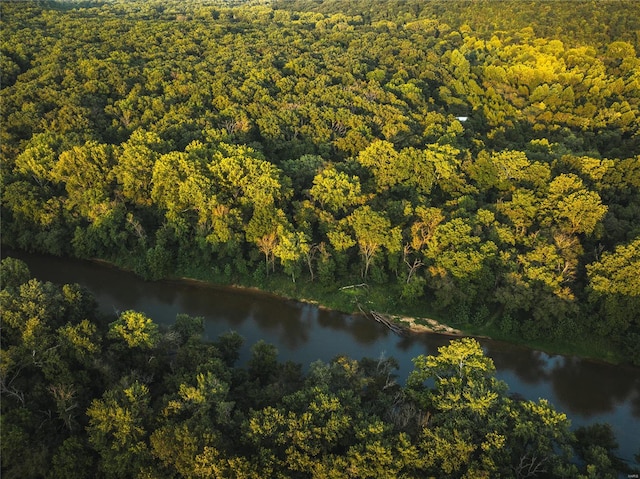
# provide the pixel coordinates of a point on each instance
(373, 232)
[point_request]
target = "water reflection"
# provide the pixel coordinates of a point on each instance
(590, 388)
(635, 402)
(588, 391)
(356, 326)
(530, 366)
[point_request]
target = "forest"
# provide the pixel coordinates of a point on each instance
(86, 396)
(478, 162)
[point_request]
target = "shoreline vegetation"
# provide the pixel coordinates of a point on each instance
(397, 323)
(599, 351)
(405, 323)
(392, 321)
(417, 324)
(413, 324)
(130, 399)
(475, 163)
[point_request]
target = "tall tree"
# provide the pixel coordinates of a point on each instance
(85, 172)
(373, 231)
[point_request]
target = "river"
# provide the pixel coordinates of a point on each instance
(587, 391)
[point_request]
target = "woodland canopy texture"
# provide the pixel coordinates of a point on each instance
(88, 398)
(474, 160)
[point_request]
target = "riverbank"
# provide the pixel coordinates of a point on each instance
(428, 325)
(376, 298)
(414, 325)
(354, 298)
(305, 332)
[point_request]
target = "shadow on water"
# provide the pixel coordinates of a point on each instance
(356, 326)
(530, 366)
(591, 388)
(587, 391)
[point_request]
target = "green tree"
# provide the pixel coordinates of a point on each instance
(241, 175)
(572, 207)
(85, 172)
(135, 164)
(410, 166)
(464, 379)
(13, 273)
(478, 431)
(265, 229)
(614, 292)
(181, 189)
(335, 191)
(73, 459)
(373, 231)
(522, 210)
(135, 329)
(292, 247)
(459, 261)
(118, 429)
(37, 160)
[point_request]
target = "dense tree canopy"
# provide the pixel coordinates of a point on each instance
(85, 397)
(477, 160)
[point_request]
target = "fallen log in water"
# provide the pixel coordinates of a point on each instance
(382, 319)
(396, 328)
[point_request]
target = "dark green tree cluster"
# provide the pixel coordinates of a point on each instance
(86, 397)
(459, 159)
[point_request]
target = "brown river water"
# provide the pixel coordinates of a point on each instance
(587, 391)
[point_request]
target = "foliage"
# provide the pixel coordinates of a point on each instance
(81, 408)
(476, 156)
